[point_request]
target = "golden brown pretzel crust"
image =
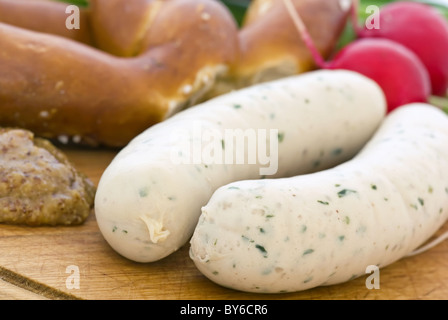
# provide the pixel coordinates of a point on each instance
(281, 41)
(126, 37)
(56, 86)
(271, 47)
(148, 59)
(45, 16)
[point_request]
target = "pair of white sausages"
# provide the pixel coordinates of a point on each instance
(149, 199)
(313, 226)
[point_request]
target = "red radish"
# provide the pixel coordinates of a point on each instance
(423, 30)
(397, 70)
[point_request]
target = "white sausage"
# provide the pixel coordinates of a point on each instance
(324, 228)
(149, 198)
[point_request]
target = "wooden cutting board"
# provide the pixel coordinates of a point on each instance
(77, 263)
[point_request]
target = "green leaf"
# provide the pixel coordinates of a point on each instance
(81, 3)
(238, 8)
(439, 102)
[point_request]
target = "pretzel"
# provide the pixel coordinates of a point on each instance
(45, 16)
(135, 63)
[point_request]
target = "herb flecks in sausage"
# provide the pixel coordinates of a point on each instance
(345, 192)
(278, 108)
(377, 207)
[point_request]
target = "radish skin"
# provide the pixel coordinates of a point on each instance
(423, 30)
(398, 70)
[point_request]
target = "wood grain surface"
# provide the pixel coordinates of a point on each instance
(42, 263)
